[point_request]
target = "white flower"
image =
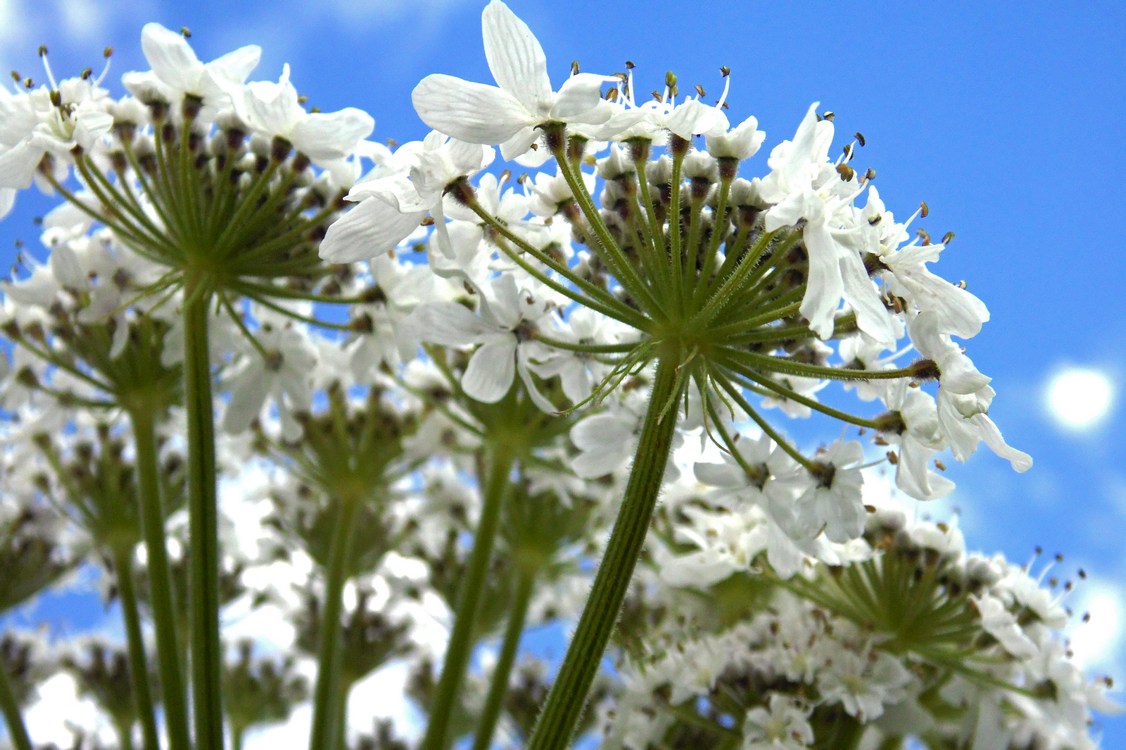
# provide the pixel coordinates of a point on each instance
(803, 184)
(605, 441)
(33, 125)
(508, 114)
(274, 110)
(1000, 623)
(782, 727)
(176, 71)
(920, 438)
(863, 683)
(655, 118)
(741, 142)
(504, 350)
(286, 375)
(964, 396)
(398, 196)
(830, 502)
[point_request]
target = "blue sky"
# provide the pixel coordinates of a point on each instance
(1007, 118)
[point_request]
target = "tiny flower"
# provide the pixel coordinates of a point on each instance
(509, 113)
(391, 204)
(274, 110)
(177, 72)
(784, 726)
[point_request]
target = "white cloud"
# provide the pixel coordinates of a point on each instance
(381, 695)
(58, 708)
(1079, 398)
(1098, 643)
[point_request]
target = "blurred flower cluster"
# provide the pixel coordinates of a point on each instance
(314, 413)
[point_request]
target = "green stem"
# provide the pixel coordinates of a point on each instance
(138, 662)
(17, 730)
(161, 598)
(461, 639)
(125, 736)
(525, 587)
(565, 702)
(328, 690)
(203, 518)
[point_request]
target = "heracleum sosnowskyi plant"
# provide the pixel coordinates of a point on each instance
(211, 182)
(461, 445)
(734, 287)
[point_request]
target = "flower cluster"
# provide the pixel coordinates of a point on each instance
(767, 287)
(310, 504)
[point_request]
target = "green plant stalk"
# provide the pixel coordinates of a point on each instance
(203, 521)
(161, 600)
(486, 725)
(237, 734)
(564, 706)
(328, 693)
(17, 730)
(135, 638)
(461, 639)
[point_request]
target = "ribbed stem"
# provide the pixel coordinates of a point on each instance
(161, 600)
(461, 639)
(203, 518)
(328, 693)
(17, 730)
(525, 586)
(135, 637)
(564, 706)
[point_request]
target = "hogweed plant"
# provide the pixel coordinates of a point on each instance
(432, 473)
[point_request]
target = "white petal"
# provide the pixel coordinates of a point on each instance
(600, 433)
(720, 475)
(248, 393)
(7, 200)
(236, 65)
(491, 370)
(64, 264)
(171, 58)
(470, 112)
(515, 56)
(332, 135)
(580, 100)
(451, 324)
(521, 144)
(17, 166)
(371, 228)
(871, 315)
(824, 286)
(1020, 460)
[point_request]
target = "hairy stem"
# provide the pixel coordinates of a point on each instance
(161, 599)
(203, 517)
(563, 709)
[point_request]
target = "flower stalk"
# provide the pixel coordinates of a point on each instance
(498, 688)
(138, 662)
(497, 486)
(17, 730)
(329, 695)
(203, 515)
(556, 725)
(169, 660)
